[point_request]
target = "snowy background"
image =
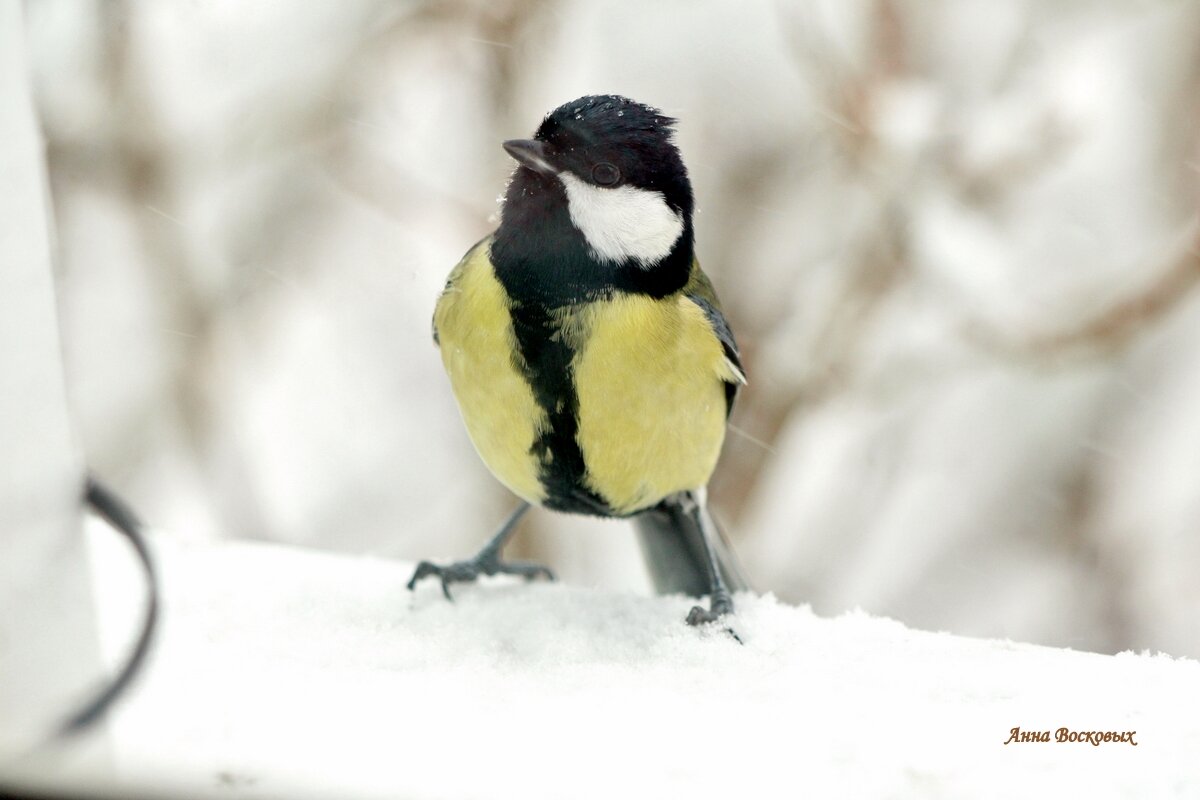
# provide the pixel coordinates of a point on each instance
(957, 241)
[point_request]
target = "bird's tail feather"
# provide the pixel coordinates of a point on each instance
(674, 551)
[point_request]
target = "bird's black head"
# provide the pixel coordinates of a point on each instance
(600, 200)
(610, 141)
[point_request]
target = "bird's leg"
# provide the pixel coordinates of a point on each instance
(485, 562)
(720, 602)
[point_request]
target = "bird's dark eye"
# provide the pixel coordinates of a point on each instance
(605, 174)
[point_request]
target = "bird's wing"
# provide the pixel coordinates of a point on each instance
(453, 279)
(700, 291)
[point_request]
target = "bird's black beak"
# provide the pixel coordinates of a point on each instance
(532, 154)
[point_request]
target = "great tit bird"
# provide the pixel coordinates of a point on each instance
(587, 350)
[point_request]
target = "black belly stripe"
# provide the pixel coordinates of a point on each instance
(544, 263)
(546, 365)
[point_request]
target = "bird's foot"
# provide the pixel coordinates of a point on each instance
(486, 563)
(719, 606)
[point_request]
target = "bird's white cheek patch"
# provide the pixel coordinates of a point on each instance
(623, 223)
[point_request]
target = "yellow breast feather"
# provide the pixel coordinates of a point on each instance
(649, 375)
(480, 354)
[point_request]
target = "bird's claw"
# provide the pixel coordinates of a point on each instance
(469, 571)
(458, 572)
(720, 606)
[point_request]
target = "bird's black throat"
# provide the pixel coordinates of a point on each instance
(541, 257)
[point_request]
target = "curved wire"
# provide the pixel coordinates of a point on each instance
(117, 513)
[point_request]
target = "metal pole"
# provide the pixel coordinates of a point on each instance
(49, 652)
